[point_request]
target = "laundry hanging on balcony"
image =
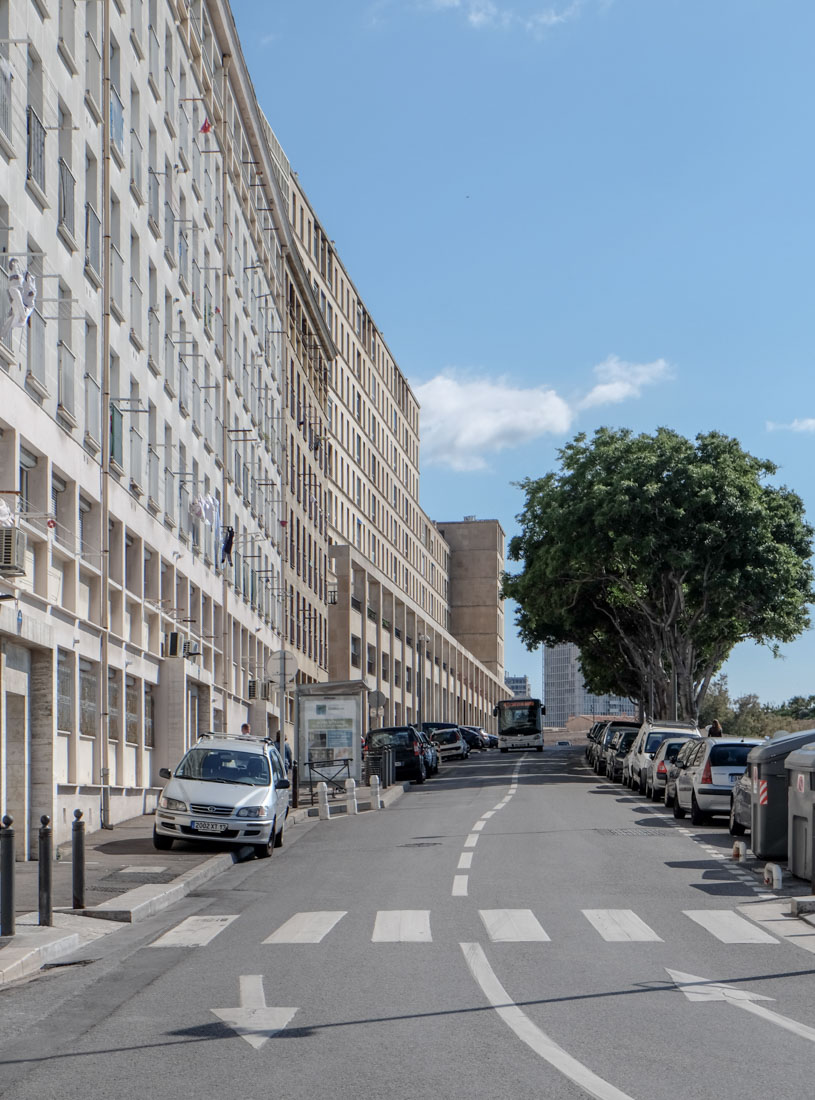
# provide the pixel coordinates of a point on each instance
(22, 292)
(6, 515)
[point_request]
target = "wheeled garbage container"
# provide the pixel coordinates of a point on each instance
(800, 767)
(769, 811)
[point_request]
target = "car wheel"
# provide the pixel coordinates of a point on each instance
(697, 815)
(278, 837)
(540, 748)
(504, 750)
(678, 811)
(265, 851)
(161, 842)
(642, 785)
(656, 795)
(666, 798)
(736, 827)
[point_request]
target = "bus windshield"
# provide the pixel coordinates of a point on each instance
(519, 717)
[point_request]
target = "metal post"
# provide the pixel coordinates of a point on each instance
(78, 860)
(105, 776)
(7, 877)
(295, 785)
(45, 856)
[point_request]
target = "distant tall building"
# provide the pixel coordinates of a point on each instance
(518, 686)
(565, 693)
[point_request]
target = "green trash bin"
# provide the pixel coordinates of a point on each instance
(769, 809)
(800, 766)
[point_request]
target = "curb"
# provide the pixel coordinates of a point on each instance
(30, 951)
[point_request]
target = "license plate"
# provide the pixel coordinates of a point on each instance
(398, 763)
(208, 826)
(735, 777)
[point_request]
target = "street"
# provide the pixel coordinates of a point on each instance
(513, 927)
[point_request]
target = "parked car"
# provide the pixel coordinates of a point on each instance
(604, 741)
(594, 736)
(708, 774)
(741, 805)
(492, 738)
(674, 767)
(617, 751)
(482, 736)
(473, 739)
(431, 753)
(651, 735)
(432, 730)
(410, 759)
(226, 788)
(450, 743)
(657, 773)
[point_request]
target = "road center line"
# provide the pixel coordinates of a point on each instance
(460, 886)
(530, 1033)
(471, 840)
(479, 825)
(465, 861)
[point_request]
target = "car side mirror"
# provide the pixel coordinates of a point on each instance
(282, 784)
(165, 773)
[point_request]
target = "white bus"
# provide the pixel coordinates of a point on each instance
(519, 724)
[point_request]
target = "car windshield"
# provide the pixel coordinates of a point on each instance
(627, 740)
(672, 749)
(382, 739)
(225, 766)
(734, 755)
(654, 741)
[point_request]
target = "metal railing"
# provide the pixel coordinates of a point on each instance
(117, 277)
(93, 241)
(169, 228)
(67, 192)
(153, 50)
(152, 474)
(36, 346)
(170, 362)
(196, 405)
(67, 24)
(93, 71)
(184, 399)
(196, 284)
(169, 494)
(117, 122)
(36, 149)
(66, 363)
(183, 255)
(136, 467)
(116, 436)
(183, 131)
(153, 335)
(5, 99)
(136, 163)
(93, 409)
(169, 96)
(153, 198)
(136, 306)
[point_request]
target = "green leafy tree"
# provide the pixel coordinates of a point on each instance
(749, 718)
(717, 704)
(655, 555)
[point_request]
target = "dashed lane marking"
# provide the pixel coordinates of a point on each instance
(194, 931)
(513, 926)
(307, 927)
(402, 926)
(728, 926)
(621, 925)
(460, 886)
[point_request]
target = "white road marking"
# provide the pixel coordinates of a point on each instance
(194, 932)
(513, 926)
(307, 927)
(460, 886)
(479, 825)
(465, 861)
(402, 926)
(530, 1033)
(253, 1020)
(621, 925)
(728, 926)
(471, 840)
(487, 815)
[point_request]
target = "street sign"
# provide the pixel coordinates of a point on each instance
(281, 667)
(253, 1020)
(376, 700)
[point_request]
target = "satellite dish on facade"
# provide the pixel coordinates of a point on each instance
(281, 667)
(376, 700)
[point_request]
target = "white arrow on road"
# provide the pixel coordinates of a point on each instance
(700, 989)
(253, 1020)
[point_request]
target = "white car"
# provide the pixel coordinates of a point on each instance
(450, 743)
(226, 788)
(650, 737)
(707, 774)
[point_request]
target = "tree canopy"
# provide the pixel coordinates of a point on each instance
(655, 555)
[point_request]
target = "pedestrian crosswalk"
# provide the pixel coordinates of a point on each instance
(416, 926)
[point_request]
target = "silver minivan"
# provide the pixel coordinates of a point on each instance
(227, 788)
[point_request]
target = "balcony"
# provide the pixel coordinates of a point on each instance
(136, 467)
(35, 373)
(169, 234)
(116, 438)
(117, 127)
(169, 498)
(170, 107)
(137, 26)
(196, 287)
(66, 208)
(196, 407)
(153, 340)
(183, 257)
(93, 76)
(66, 370)
(93, 413)
(136, 167)
(153, 50)
(183, 144)
(136, 319)
(5, 102)
(152, 479)
(117, 283)
(153, 203)
(93, 244)
(184, 399)
(170, 356)
(36, 151)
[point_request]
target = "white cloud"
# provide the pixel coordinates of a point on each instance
(619, 380)
(487, 14)
(467, 418)
(807, 424)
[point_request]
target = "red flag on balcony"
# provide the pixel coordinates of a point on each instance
(206, 127)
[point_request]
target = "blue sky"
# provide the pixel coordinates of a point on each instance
(563, 214)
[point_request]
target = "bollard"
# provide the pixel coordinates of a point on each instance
(739, 850)
(78, 860)
(295, 786)
(45, 856)
(376, 797)
(773, 876)
(322, 802)
(351, 796)
(7, 877)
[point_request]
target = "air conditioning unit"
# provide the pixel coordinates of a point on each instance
(172, 644)
(12, 552)
(253, 689)
(267, 691)
(191, 649)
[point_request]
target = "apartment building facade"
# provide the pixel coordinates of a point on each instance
(414, 605)
(162, 385)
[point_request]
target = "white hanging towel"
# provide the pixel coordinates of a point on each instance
(22, 292)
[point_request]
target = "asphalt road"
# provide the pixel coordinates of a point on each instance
(513, 928)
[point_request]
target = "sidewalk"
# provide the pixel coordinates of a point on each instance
(126, 880)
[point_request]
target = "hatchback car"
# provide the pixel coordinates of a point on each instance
(450, 744)
(226, 788)
(410, 759)
(650, 737)
(605, 739)
(476, 742)
(481, 734)
(617, 752)
(707, 775)
(657, 773)
(673, 768)
(431, 753)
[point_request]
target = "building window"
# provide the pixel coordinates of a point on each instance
(149, 717)
(88, 703)
(131, 711)
(65, 691)
(114, 706)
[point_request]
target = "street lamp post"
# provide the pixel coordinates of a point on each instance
(421, 642)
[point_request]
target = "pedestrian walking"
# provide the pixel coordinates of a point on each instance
(715, 729)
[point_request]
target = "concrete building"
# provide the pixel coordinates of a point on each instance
(518, 687)
(565, 692)
(414, 605)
